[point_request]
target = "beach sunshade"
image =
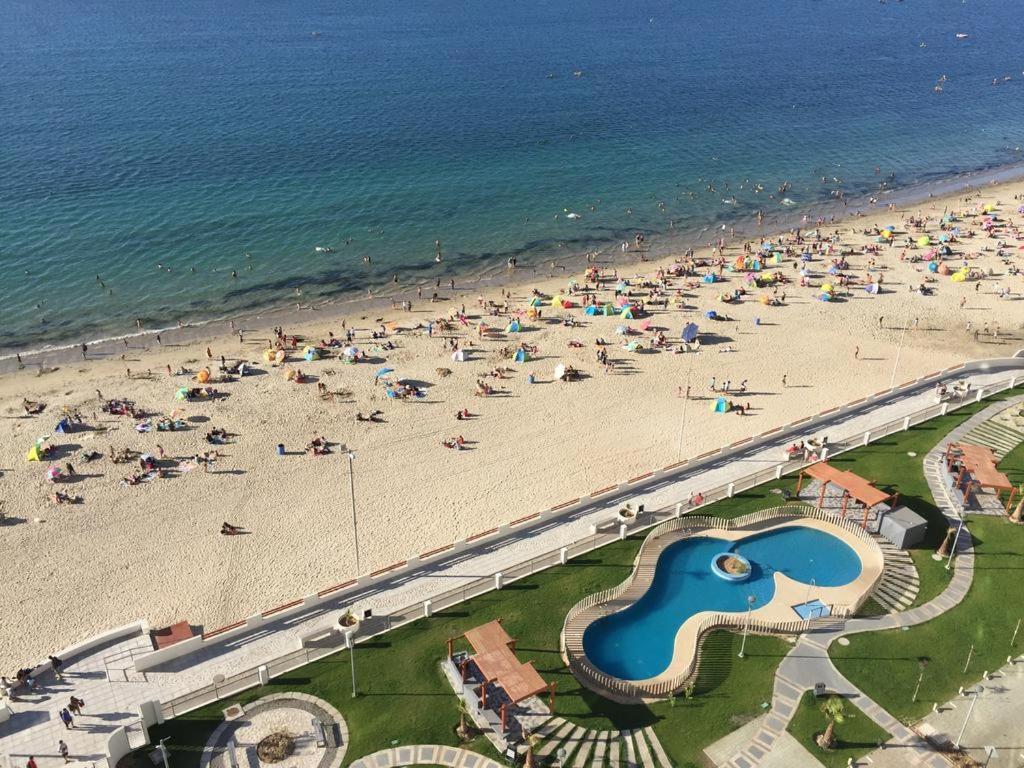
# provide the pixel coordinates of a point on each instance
(53, 473)
(521, 356)
(181, 394)
(690, 331)
(203, 376)
(592, 310)
(872, 288)
(350, 351)
(711, 314)
(621, 285)
(383, 372)
(559, 371)
(933, 266)
(556, 301)
(620, 330)
(627, 313)
(826, 297)
(62, 426)
(268, 355)
(459, 356)
(35, 453)
(645, 325)
(607, 310)
(536, 301)
(633, 346)
(924, 240)
(720, 405)
(709, 278)
(513, 327)
(310, 354)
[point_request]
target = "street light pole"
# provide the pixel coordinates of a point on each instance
(899, 349)
(355, 527)
(351, 638)
(746, 626)
(956, 540)
(970, 709)
(686, 400)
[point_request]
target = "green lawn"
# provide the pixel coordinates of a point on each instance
(885, 664)
(403, 698)
(855, 736)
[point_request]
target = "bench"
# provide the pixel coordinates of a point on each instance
(326, 734)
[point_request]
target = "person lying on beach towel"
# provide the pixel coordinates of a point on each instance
(227, 529)
(33, 407)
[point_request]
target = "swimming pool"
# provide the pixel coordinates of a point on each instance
(638, 642)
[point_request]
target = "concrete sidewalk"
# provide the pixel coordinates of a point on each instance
(113, 691)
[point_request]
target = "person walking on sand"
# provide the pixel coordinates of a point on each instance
(856, 353)
(783, 381)
(56, 663)
(85, 350)
(63, 749)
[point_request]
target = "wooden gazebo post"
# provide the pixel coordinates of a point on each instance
(504, 710)
(799, 483)
(821, 496)
(846, 500)
(551, 696)
(450, 643)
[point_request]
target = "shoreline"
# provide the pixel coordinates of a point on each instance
(665, 245)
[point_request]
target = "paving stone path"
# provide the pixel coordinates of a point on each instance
(808, 663)
(425, 754)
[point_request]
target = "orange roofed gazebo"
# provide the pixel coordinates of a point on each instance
(976, 465)
(495, 658)
(854, 487)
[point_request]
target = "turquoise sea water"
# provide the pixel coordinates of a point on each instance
(189, 134)
(638, 643)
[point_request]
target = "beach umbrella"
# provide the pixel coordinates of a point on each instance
(924, 240)
(203, 376)
(607, 310)
(943, 238)
(933, 266)
(536, 301)
(310, 354)
(53, 473)
(181, 394)
(708, 278)
(559, 371)
(711, 314)
(383, 372)
(592, 310)
(459, 356)
(872, 288)
(350, 351)
(645, 325)
(690, 331)
(513, 327)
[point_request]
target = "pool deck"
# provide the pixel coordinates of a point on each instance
(777, 616)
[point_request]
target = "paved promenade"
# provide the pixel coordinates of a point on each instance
(113, 691)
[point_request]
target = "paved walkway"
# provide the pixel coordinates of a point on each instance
(580, 747)
(113, 691)
(425, 754)
(808, 663)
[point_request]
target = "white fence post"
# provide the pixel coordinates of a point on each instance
(981, 394)
(906, 423)
(498, 580)
(563, 555)
(867, 438)
(778, 472)
(679, 509)
(263, 672)
(427, 609)
(824, 453)
(944, 409)
(622, 531)
(730, 489)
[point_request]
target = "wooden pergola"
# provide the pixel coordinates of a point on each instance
(975, 465)
(496, 659)
(854, 487)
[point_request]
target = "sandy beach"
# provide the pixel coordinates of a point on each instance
(154, 550)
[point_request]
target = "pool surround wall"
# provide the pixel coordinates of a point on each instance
(776, 617)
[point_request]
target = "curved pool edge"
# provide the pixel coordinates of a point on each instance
(773, 618)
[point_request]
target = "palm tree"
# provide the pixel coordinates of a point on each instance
(463, 731)
(531, 742)
(833, 710)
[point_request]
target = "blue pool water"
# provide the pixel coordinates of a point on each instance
(637, 643)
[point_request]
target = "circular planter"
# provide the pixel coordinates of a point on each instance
(731, 566)
(348, 622)
(626, 515)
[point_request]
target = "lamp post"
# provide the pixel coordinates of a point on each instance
(746, 626)
(952, 548)
(899, 349)
(352, 489)
(686, 400)
(350, 637)
(970, 709)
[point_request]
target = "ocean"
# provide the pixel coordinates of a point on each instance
(182, 161)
